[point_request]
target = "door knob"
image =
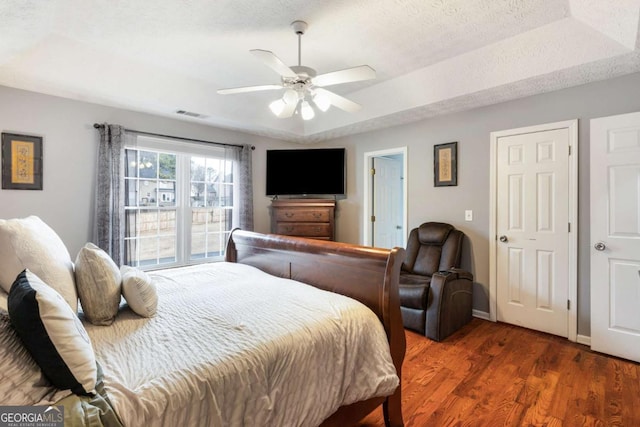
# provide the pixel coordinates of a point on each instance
(503, 239)
(600, 246)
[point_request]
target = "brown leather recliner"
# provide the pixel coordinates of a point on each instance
(435, 295)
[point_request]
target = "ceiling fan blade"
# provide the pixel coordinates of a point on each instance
(339, 101)
(274, 63)
(355, 74)
(248, 89)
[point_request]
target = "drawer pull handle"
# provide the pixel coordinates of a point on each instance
(288, 214)
(317, 215)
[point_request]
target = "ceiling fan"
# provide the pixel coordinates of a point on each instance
(304, 88)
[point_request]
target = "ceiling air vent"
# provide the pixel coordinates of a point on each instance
(191, 114)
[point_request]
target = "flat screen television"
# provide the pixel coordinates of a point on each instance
(316, 171)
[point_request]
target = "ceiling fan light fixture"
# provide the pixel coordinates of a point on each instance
(306, 111)
(290, 96)
(322, 102)
(277, 106)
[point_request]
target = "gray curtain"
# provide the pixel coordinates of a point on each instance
(108, 231)
(244, 208)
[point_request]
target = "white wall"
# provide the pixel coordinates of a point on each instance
(70, 150)
(471, 129)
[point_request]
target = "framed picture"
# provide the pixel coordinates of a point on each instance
(445, 164)
(21, 162)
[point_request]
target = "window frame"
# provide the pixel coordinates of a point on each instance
(184, 152)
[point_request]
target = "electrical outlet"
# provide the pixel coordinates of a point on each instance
(468, 215)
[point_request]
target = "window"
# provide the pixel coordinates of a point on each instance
(211, 200)
(179, 203)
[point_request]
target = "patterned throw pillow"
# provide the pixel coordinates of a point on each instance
(53, 334)
(99, 285)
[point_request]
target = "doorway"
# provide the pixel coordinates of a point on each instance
(385, 198)
(533, 237)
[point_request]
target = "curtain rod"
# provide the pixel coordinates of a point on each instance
(99, 125)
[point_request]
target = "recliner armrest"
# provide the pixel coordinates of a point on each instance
(459, 273)
(450, 304)
(450, 277)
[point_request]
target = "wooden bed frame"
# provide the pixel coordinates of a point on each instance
(369, 275)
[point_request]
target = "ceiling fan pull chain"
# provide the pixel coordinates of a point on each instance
(299, 49)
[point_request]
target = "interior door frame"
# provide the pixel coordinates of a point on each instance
(366, 218)
(572, 126)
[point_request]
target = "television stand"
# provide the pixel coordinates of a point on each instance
(311, 218)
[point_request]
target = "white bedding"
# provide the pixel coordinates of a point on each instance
(233, 346)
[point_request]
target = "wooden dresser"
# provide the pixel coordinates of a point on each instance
(312, 218)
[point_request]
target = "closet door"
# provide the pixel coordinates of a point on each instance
(615, 235)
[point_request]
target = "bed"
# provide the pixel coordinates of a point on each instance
(248, 342)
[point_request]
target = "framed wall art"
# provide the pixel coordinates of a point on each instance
(21, 162)
(445, 164)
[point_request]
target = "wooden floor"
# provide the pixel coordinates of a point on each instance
(494, 374)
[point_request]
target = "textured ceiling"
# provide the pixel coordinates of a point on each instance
(431, 56)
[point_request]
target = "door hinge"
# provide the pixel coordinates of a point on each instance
(569, 227)
(569, 150)
(568, 304)
(373, 218)
(373, 171)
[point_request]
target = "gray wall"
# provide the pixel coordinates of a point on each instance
(66, 202)
(471, 129)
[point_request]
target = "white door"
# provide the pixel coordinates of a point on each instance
(615, 235)
(532, 225)
(387, 202)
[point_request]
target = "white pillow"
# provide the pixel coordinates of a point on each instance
(30, 243)
(3, 300)
(53, 334)
(139, 291)
(99, 285)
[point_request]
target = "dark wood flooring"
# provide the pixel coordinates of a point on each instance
(495, 374)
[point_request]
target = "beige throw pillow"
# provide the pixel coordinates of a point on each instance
(139, 291)
(99, 285)
(30, 243)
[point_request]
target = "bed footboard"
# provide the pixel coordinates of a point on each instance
(369, 275)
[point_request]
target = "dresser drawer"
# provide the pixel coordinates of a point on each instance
(312, 218)
(302, 215)
(304, 229)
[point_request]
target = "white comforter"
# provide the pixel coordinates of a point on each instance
(233, 346)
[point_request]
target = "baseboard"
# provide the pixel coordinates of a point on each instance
(583, 339)
(481, 314)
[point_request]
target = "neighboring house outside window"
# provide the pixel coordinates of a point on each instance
(179, 203)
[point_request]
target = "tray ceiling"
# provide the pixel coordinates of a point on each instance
(431, 57)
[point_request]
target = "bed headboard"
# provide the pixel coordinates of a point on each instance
(362, 273)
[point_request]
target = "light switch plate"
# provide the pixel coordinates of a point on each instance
(468, 215)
